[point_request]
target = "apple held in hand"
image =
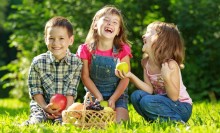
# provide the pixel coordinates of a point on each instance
(58, 101)
(104, 103)
(122, 66)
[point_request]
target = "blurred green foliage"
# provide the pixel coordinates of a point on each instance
(199, 22)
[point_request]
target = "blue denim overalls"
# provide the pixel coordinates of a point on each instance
(102, 73)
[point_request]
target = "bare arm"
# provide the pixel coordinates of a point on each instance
(70, 101)
(121, 86)
(143, 85)
(88, 82)
(40, 100)
(170, 73)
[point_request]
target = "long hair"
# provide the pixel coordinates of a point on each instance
(92, 38)
(168, 43)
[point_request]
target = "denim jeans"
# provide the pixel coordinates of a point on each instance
(152, 107)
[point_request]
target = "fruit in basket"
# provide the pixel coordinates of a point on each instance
(75, 106)
(106, 117)
(95, 106)
(122, 66)
(104, 103)
(108, 109)
(76, 109)
(58, 101)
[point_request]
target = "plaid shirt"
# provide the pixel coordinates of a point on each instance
(48, 77)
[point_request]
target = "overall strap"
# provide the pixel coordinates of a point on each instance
(115, 54)
(93, 49)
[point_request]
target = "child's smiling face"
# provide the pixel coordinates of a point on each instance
(58, 41)
(148, 38)
(108, 26)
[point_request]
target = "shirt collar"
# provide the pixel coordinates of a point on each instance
(66, 59)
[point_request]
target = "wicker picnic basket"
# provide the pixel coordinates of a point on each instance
(88, 118)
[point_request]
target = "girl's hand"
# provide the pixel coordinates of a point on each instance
(122, 74)
(166, 71)
(111, 103)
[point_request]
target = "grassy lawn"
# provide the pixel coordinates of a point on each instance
(205, 119)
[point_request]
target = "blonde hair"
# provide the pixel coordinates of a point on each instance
(168, 43)
(92, 38)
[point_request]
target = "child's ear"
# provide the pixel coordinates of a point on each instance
(71, 40)
(45, 39)
(95, 25)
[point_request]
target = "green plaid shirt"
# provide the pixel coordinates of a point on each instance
(48, 77)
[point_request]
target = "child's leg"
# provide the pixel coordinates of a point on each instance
(121, 114)
(58, 120)
(136, 96)
(121, 106)
(37, 114)
(160, 106)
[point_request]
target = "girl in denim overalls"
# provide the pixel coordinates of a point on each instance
(106, 45)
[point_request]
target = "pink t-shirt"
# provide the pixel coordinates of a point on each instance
(84, 53)
(159, 87)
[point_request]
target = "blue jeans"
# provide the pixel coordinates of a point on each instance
(152, 107)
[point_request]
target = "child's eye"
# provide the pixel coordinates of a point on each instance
(115, 22)
(50, 38)
(61, 38)
(106, 19)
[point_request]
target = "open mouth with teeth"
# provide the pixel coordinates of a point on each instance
(108, 30)
(55, 48)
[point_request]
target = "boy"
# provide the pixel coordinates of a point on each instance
(56, 71)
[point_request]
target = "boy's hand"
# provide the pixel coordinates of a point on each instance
(52, 113)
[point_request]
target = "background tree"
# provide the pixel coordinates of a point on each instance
(199, 22)
(199, 25)
(8, 53)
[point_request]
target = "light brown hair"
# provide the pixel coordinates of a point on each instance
(59, 22)
(168, 43)
(92, 38)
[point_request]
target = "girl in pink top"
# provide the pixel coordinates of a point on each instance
(106, 45)
(162, 94)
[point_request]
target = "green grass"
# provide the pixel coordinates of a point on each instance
(205, 119)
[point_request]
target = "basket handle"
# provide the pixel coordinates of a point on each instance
(87, 96)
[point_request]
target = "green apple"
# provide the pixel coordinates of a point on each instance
(104, 103)
(122, 66)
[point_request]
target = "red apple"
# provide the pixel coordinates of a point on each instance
(58, 101)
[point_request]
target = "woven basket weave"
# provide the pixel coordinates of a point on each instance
(88, 118)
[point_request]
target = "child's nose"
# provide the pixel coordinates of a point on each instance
(110, 22)
(56, 41)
